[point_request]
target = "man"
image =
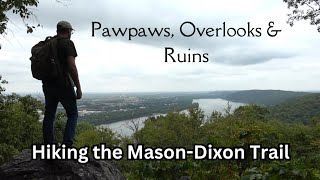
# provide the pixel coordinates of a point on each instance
(62, 89)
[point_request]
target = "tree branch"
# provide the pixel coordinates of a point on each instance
(310, 6)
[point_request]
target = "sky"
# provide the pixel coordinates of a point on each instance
(288, 61)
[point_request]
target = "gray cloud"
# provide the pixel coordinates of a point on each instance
(247, 56)
(116, 64)
(162, 14)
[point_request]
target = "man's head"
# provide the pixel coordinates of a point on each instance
(64, 28)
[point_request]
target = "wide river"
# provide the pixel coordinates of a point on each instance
(207, 105)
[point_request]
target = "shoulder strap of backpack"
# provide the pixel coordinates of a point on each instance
(54, 49)
(54, 45)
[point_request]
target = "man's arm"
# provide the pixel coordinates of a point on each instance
(74, 74)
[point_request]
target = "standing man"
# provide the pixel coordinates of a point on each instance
(62, 89)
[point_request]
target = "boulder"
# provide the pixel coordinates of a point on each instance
(22, 167)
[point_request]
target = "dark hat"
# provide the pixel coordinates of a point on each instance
(64, 25)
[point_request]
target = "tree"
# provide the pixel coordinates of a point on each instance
(252, 111)
(304, 10)
(19, 123)
(2, 89)
(22, 8)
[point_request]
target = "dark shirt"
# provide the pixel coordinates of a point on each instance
(65, 48)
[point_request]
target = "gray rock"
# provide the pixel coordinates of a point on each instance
(22, 167)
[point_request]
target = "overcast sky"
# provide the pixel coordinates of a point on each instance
(289, 61)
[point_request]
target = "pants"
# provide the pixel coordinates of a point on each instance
(66, 96)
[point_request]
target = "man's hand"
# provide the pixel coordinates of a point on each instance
(79, 93)
(74, 75)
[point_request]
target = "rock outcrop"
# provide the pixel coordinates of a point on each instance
(22, 167)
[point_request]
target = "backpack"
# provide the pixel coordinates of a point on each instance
(45, 64)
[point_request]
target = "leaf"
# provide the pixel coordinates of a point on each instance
(29, 30)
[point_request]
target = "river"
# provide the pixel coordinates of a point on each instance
(207, 105)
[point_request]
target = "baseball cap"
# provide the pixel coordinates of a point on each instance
(64, 25)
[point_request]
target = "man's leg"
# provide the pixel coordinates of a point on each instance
(70, 105)
(51, 103)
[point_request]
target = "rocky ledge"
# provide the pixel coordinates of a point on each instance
(22, 167)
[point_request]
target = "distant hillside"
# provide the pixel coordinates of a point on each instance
(300, 109)
(263, 97)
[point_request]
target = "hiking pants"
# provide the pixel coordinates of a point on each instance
(66, 96)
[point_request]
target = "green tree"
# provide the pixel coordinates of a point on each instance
(90, 136)
(19, 123)
(2, 81)
(21, 8)
(304, 10)
(20, 126)
(18, 7)
(2, 89)
(252, 111)
(176, 129)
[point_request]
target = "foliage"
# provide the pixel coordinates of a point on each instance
(7, 151)
(91, 136)
(166, 131)
(2, 89)
(21, 8)
(262, 97)
(304, 109)
(304, 10)
(247, 125)
(19, 124)
(252, 111)
(250, 124)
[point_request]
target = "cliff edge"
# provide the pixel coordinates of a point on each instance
(22, 167)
